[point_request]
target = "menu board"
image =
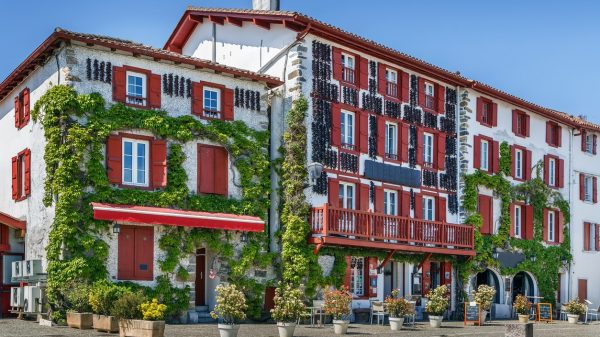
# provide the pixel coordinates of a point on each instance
(544, 312)
(472, 312)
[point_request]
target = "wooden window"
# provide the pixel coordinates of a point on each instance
(588, 142)
(554, 171)
(21, 175)
(486, 154)
(521, 163)
(518, 221)
(348, 130)
(552, 226)
(348, 67)
(212, 101)
(390, 202)
(135, 162)
(429, 95)
(429, 208)
(391, 141)
(485, 207)
(428, 149)
(22, 107)
(520, 123)
(553, 134)
(347, 195)
(487, 112)
(391, 83)
(136, 253)
(591, 236)
(582, 290)
(136, 87)
(213, 170)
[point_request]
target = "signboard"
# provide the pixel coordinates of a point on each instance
(472, 313)
(544, 312)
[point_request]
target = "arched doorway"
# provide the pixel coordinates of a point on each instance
(522, 284)
(489, 278)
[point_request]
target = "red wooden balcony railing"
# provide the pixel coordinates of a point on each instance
(328, 221)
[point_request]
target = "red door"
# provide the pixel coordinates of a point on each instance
(201, 277)
(582, 289)
(144, 253)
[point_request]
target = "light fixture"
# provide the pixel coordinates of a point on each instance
(533, 258)
(314, 172)
(116, 228)
(244, 237)
(495, 253)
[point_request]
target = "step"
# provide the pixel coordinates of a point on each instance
(202, 308)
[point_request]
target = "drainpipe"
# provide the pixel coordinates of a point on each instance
(214, 42)
(570, 196)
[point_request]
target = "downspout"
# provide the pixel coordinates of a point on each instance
(57, 68)
(214, 42)
(569, 279)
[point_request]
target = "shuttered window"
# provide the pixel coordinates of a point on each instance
(212, 101)
(213, 170)
(136, 253)
(520, 123)
(553, 134)
(487, 112)
(22, 108)
(136, 87)
(486, 210)
(21, 175)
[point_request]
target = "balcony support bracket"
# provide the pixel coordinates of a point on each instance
(427, 256)
(387, 259)
(318, 247)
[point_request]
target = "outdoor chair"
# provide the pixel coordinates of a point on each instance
(317, 313)
(588, 304)
(410, 319)
(563, 312)
(593, 313)
(378, 310)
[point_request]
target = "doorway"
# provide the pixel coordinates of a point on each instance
(201, 277)
(522, 285)
(489, 278)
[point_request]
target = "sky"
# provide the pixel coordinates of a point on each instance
(547, 52)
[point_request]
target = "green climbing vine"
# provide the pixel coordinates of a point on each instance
(543, 261)
(76, 128)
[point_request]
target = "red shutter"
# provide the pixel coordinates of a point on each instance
(363, 138)
(484, 204)
(561, 173)
(405, 92)
(26, 107)
(512, 220)
(581, 186)
(545, 225)
(17, 113)
(494, 114)
(594, 144)
(221, 169)
(418, 206)
(595, 189)
(154, 89)
(546, 169)
(441, 151)
(27, 182)
(527, 125)
(479, 110)
(337, 63)
(333, 193)
(527, 167)
(561, 226)
(528, 221)
(559, 132)
(378, 199)
(513, 155)
(114, 157)
(348, 275)
(126, 253)
(159, 163)
(476, 152)
(597, 238)
(403, 147)
(583, 140)
(364, 197)
(421, 91)
(336, 125)
(495, 159)
(548, 132)
(441, 209)
(144, 253)
(515, 116)
(15, 178)
(405, 204)
(381, 136)
(228, 104)
(197, 98)
(206, 169)
(119, 83)
(419, 152)
(440, 93)
(364, 73)
(586, 235)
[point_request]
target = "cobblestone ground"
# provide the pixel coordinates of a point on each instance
(18, 328)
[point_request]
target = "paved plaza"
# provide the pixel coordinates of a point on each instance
(17, 328)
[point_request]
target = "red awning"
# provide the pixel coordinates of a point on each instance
(174, 217)
(8, 220)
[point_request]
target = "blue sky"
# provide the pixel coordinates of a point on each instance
(547, 52)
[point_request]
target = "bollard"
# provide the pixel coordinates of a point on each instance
(519, 330)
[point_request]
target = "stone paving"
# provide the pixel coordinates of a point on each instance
(18, 328)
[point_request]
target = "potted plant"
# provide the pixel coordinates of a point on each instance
(289, 307)
(484, 296)
(231, 308)
(397, 307)
(337, 304)
(139, 318)
(79, 314)
(574, 309)
(522, 307)
(102, 296)
(436, 305)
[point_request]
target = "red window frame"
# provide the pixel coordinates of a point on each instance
(22, 107)
(587, 232)
(520, 123)
(486, 112)
(135, 255)
(22, 181)
(558, 171)
(553, 134)
(525, 163)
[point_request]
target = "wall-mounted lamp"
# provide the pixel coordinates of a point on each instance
(314, 172)
(244, 237)
(533, 258)
(495, 253)
(116, 228)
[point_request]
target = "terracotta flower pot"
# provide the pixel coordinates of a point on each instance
(106, 323)
(140, 328)
(80, 320)
(523, 318)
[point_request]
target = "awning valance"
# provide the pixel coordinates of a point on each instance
(15, 223)
(174, 217)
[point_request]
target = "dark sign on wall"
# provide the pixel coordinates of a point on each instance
(392, 174)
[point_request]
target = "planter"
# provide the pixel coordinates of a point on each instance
(572, 318)
(80, 321)
(140, 328)
(228, 330)
(484, 314)
(523, 318)
(435, 321)
(106, 323)
(396, 323)
(340, 327)
(286, 329)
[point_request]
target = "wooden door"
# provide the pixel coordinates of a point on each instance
(144, 253)
(582, 289)
(201, 277)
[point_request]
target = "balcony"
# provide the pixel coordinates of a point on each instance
(344, 227)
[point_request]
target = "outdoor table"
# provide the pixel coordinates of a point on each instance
(313, 312)
(532, 302)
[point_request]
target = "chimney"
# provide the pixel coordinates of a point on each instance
(269, 5)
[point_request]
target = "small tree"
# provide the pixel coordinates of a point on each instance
(521, 305)
(289, 306)
(231, 304)
(337, 303)
(484, 296)
(574, 307)
(397, 306)
(437, 302)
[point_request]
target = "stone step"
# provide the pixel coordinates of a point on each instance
(202, 308)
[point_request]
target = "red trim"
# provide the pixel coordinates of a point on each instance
(174, 217)
(347, 242)
(12, 222)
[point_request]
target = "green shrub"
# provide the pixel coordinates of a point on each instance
(128, 306)
(103, 295)
(77, 297)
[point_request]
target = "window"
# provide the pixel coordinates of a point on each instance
(551, 225)
(552, 172)
(136, 88)
(347, 129)
(391, 77)
(21, 175)
(484, 157)
(428, 149)
(487, 114)
(346, 195)
(212, 103)
(429, 208)
(519, 163)
(520, 123)
(589, 143)
(429, 96)
(518, 221)
(588, 188)
(136, 253)
(391, 141)
(22, 108)
(213, 170)
(591, 236)
(553, 134)
(357, 279)
(390, 202)
(348, 68)
(135, 162)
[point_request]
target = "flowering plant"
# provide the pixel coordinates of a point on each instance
(337, 303)
(231, 304)
(153, 311)
(437, 301)
(484, 295)
(288, 304)
(397, 306)
(521, 305)
(574, 307)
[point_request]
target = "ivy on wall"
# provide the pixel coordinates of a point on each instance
(76, 127)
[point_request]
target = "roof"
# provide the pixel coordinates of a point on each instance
(303, 24)
(53, 42)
